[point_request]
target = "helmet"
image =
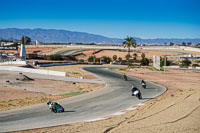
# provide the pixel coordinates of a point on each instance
(49, 102)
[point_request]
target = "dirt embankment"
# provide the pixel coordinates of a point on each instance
(177, 110)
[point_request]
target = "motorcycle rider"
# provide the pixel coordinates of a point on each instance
(143, 84)
(55, 107)
(134, 89)
(125, 77)
(51, 105)
(136, 92)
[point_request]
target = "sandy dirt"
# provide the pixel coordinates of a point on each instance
(177, 110)
(17, 90)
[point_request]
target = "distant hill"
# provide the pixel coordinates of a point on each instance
(163, 41)
(56, 36)
(65, 36)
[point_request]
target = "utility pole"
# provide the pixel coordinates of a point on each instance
(165, 62)
(94, 60)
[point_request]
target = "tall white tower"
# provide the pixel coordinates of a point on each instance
(23, 51)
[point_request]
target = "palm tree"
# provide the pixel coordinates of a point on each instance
(129, 42)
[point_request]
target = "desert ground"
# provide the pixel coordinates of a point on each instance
(18, 90)
(177, 110)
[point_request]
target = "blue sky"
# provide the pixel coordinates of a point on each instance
(111, 18)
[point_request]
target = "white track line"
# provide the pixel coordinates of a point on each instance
(117, 113)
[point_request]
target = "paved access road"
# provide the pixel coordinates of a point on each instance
(116, 96)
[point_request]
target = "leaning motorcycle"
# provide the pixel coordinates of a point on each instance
(137, 93)
(55, 107)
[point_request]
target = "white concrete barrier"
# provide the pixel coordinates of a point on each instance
(175, 67)
(193, 67)
(14, 63)
(30, 70)
(197, 67)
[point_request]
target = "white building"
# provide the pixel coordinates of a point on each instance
(37, 42)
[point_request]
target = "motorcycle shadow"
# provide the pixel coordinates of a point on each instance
(69, 111)
(149, 88)
(130, 80)
(147, 98)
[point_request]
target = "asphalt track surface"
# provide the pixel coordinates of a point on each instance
(116, 96)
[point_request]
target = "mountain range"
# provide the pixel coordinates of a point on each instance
(65, 36)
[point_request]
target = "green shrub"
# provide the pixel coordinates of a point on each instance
(162, 62)
(144, 62)
(114, 57)
(92, 59)
(72, 94)
(185, 62)
(123, 69)
(56, 57)
(195, 65)
(155, 69)
(81, 60)
(120, 59)
(106, 59)
(132, 67)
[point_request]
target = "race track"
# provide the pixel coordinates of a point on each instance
(116, 96)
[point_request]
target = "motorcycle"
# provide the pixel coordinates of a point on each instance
(55, 107)
(137, 93)
(144, 85)
(125, 77)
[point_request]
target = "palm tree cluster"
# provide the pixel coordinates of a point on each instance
(129, 42)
